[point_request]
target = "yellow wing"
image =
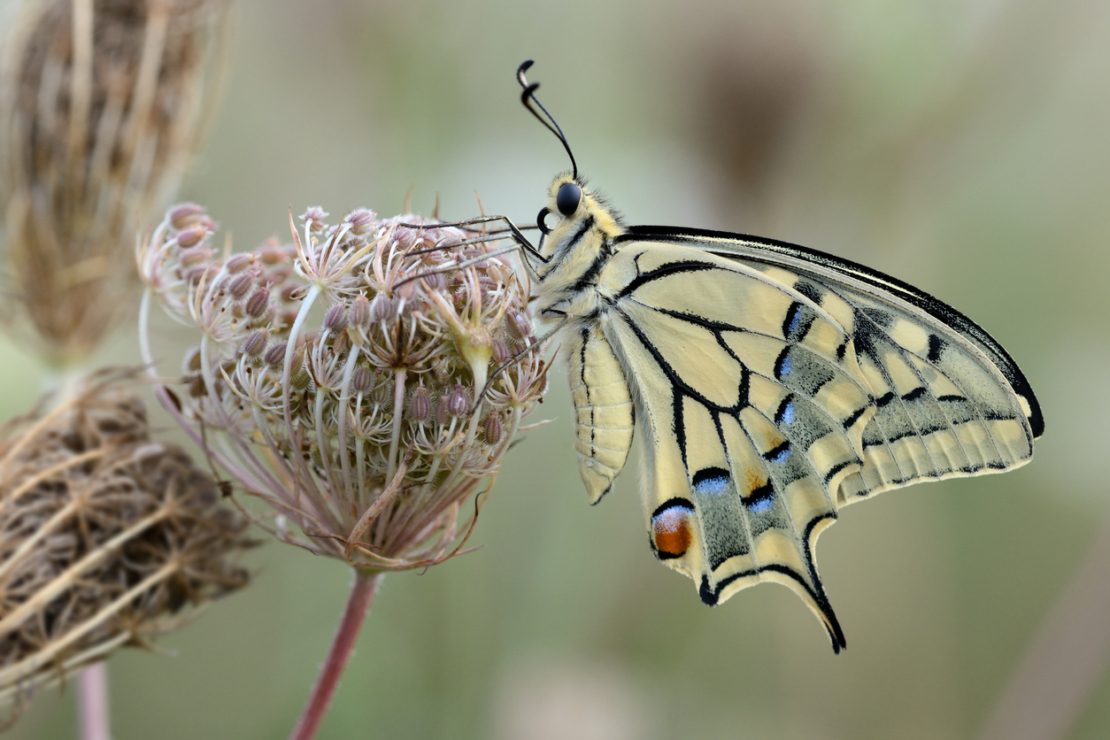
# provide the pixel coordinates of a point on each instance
(769, 396)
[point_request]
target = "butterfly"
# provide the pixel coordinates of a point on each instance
(771, 385)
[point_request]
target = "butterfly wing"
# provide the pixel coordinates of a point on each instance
(770, 395)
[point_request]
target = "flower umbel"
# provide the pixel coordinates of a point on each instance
(105, 535)
(343, 377)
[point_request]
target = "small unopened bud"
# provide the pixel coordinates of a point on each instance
(493, 428)
(191, 236)
(238, 261)
(336, 318)
(240, 285)
(185, 215)
(361, 221)
(300, 379)
(519, 325)
(362, 379)
(314, 217)
(254, 343)
(271, 254)
(435, 281)
(458, 401)
(202, 273)
(501, 353)
(359, 315)
(420, 407)
(382, 308)
(275, 355)
(339, 343)
(258, 302)
(195, 257)
(442, 416)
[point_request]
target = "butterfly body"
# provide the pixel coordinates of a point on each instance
(770, 385)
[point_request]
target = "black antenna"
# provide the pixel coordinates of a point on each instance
(528, 97)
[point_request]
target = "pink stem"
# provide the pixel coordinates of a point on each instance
(358, 606)
(92, 702)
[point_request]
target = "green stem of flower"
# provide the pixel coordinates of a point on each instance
(358, 606)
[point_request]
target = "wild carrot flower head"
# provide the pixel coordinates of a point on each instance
(101, 107)
(343, 377)
(105, 536)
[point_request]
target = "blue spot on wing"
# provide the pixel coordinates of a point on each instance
(782, 457)
(712, 485)
(788, 413)
(762, 505)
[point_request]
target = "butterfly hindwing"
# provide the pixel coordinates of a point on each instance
(768, 398)
(752, 411)
(603, 410)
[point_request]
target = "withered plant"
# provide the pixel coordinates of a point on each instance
(101, 107)
(106, 536)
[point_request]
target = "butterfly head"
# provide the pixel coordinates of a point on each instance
(571, 211)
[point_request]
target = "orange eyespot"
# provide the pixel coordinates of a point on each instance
(672, 529)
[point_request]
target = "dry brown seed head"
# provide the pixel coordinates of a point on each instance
(91, 506)
(101, 109)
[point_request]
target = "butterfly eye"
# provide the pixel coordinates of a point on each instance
(568, 198)
(539, 221)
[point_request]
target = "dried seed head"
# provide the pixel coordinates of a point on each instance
(185, 215)
(101, 107)
(105, 536)
(347, 419)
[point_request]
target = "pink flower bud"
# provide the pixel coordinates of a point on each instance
(258, 303)
(335, 319)
(420, 407)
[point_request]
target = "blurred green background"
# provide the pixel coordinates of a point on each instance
(960, 145)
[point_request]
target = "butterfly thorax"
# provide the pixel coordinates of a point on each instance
(576, 248)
